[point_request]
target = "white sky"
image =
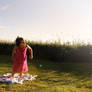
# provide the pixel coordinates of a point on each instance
(42, 20)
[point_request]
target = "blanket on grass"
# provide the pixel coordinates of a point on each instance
(6, 78)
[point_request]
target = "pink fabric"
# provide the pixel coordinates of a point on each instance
(20, 60)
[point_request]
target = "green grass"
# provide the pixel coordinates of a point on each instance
(52, 77)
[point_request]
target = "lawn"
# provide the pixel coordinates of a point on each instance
(52, 77)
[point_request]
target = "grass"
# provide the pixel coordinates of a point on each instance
(52, 77)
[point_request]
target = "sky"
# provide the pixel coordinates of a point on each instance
(46, 20)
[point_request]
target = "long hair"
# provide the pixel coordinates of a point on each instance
(18, 40)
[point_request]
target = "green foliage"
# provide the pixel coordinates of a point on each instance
(54, 51)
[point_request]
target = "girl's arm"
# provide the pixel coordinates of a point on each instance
(30, 51)
(14, 51)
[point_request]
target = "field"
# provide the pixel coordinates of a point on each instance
(52, 76)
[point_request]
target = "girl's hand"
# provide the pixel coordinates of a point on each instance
(30, 51)
(31, 57)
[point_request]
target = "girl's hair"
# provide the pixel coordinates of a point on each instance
(18, 40)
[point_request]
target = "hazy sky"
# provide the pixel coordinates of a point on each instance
(46, 19)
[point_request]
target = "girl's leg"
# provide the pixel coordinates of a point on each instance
(12, 74)
(20, 74)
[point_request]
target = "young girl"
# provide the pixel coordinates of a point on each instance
(19, 56)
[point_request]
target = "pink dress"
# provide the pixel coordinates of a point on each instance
(20, 60)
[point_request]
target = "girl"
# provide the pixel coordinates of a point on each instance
(19, 56)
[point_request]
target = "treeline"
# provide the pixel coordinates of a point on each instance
(54, 52)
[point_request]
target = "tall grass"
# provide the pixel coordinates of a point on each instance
(55, 51)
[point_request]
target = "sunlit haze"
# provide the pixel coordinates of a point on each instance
(46, 20)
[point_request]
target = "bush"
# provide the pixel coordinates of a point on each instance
(56, 52)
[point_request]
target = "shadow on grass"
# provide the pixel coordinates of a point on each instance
(77, 69)
(81, 70)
